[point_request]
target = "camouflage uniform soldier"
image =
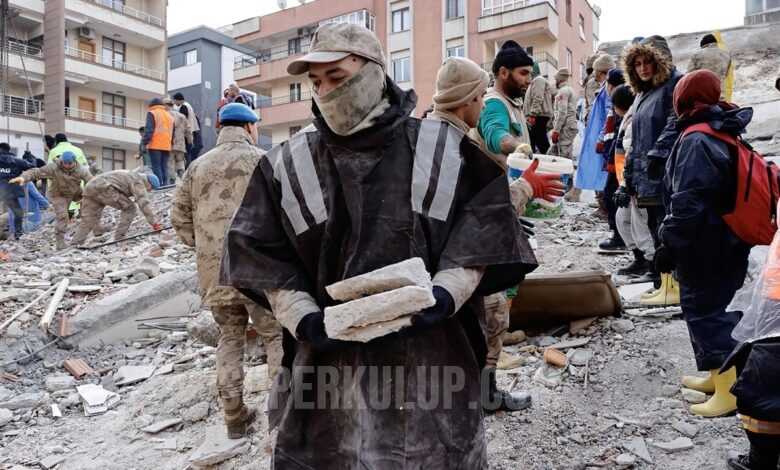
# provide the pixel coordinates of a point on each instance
(565, 123)
(66, 175)
(210, 193)
(182, 137)
(114, 189)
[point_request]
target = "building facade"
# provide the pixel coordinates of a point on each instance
(417, 36)
(762, 11)
(200, 67)
(86, 68)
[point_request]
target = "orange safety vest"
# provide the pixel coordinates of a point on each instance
(162, 137)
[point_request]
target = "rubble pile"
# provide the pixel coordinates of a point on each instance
(605, 391)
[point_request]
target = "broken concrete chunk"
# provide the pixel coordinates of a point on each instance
(693, 396)
(638, 447)
(55, 383)
(375, 309)
(5, 416)
(217, 448)
(52, 461)
(363, 334)
(127, 375)
(257, 379)
(622, 326)
(204, 329)
(24, 400)
(160, 426)
(625, 460)
(96, 399)
(411, 272)
(572, 343)
(686, 429)
(678, 445)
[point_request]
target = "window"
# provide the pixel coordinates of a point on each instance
(114, 109)
(454, 9)
(771, 4)
(293, 46)
(754, 6)
(361, 17)
(582, 27)
(568, 12)
(295, 92)
(401, 70)
(191, 57)
(294, 130)
(569, 58)
(113, 159)
(401, 20)
(456, 51)
(113, 53)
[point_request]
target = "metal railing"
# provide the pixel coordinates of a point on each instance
(267, 101)
(495, 7)
(20, 48)
(21, 106)
(538, 57)
(114, 64)
(120, 7)
(108, 119)
(279, 52)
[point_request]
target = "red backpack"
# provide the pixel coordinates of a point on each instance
(754, 217)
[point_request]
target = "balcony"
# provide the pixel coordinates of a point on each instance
(542, 58)
(24, 57)
(111, 17)
(524, 16)
(284, 109)
(24, 114)
(268, 65)
(104, 128)
(134, 80)
(120, 7)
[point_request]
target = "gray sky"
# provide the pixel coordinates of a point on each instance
(620, 19)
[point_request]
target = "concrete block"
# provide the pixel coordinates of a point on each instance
(341, 321)
(678, 445)
(364, 334)
(217, 448)
(411, 272)
(111, 319)
(55, 383)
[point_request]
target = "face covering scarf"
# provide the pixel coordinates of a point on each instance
(355, 104)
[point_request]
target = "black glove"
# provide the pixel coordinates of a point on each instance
(621, 197)
(528, 227)
(444, 308)
(664, 260)
(311, 329)
(655, 168)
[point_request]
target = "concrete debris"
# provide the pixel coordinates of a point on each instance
(128, 375)
(638, 447)
(411, 272)
(257, 380)
(52, 461)
(77, 367)
(217, 448)
(693, 396)
(96, 399)
(571, 343)
(580, 357)
(511, 338)
(167, 444)
(625, 460)
(84, 289)
(549, 376)
(686, 429)
(377, 315)
(5, 416)
(204, 328)
(197, 412)
(508, 361)
(678, 445)
(622, 326)
(160, 426)
(55, 411)
(24, 401)
(55, 383)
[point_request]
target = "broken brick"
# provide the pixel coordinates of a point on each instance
(77, 367)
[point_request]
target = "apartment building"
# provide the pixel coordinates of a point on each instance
(417, 36)
(86, 68)
(762, 11)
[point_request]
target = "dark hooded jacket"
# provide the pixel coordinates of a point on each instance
(10, 168)
(758, 378)
(322, 208)
(700, 187)
(654, 125)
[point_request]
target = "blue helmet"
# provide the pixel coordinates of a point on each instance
(237, 112)
(68, 157)
(153, 180)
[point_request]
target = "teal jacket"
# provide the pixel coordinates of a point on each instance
(495, 124)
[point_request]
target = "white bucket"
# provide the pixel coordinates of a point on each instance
(549, 164)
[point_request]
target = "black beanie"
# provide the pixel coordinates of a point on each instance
(708, 39)
(615, 77)
(511, 56)
(623, 97)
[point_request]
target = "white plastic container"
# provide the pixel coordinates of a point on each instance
(549, 164)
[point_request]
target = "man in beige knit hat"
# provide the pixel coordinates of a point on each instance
(460, 86)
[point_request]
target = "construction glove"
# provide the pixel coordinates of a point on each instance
(311, 329)
(663, 260)
(528, 227)
(621, 197)
(531, 121)
(18, 180)
(157, 227)
(555, 137)
(442, 310)
(655, 168)
(547, 186)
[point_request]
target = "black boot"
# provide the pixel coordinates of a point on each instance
(499, 400)
(639, 267)
(615, 244)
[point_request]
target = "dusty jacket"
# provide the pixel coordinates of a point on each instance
(182, 134)
(565, 109)
(712, 58)
(654, 127)
(124, 184)
(204, 204)
(62, 182)
(539, 98)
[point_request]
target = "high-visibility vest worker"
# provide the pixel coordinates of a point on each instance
(159, 127)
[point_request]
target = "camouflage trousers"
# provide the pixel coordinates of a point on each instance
(566, 143)
(497, 319)
(176, 163)
(61, 205)
(92, 211)
(232, 321)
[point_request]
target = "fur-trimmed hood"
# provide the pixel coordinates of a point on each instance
(655, 47)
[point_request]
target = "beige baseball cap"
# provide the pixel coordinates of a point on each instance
(333, 42)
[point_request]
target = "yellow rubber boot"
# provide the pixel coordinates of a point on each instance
(668, 294)
(722, 403)
(650, 293)
(700, 384)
